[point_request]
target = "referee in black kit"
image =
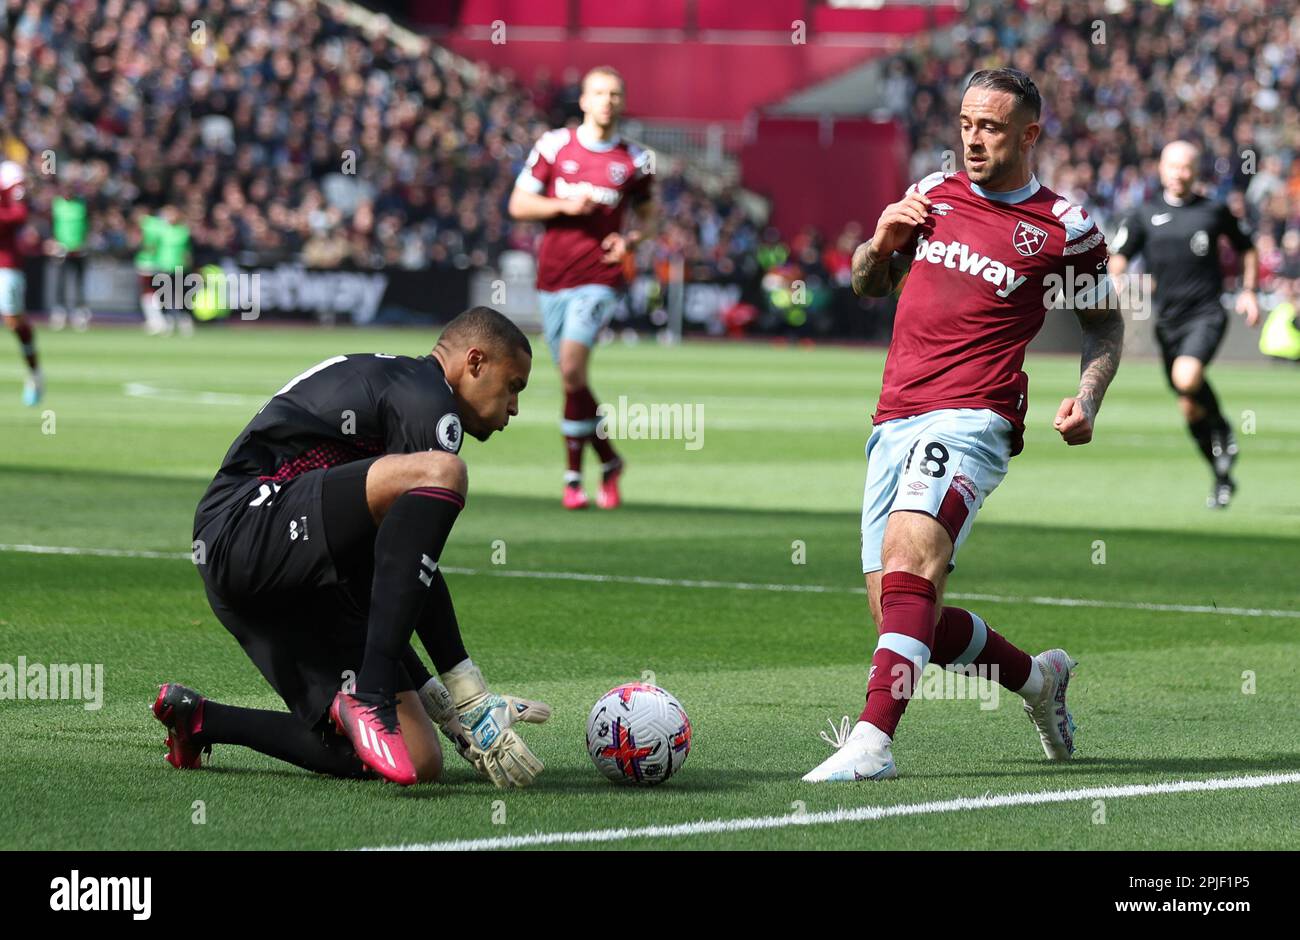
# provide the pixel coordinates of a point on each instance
(1178, 234)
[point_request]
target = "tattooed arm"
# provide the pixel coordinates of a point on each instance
(876, 271)
(1103, 341)
(876, 277)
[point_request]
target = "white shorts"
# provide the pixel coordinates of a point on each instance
(13, 287)
(942, 463)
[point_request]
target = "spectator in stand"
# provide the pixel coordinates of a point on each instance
(280, 131)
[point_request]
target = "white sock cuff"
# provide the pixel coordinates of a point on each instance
(979, 635)
(866, 731)
(908, 647)
(1033, 686)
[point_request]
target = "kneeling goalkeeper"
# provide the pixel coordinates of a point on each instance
(318, 543)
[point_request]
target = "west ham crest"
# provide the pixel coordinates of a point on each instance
(1028, 239)
(617, 173)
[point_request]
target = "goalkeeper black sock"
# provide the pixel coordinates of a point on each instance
(279, 735)
(407, 547)
(415, 668)
(439, 631)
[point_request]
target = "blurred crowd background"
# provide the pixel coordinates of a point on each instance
(1223, 73)
(280, 132)
(277, 129)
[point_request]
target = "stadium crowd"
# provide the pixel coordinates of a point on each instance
(276, 130)
(1223, 73)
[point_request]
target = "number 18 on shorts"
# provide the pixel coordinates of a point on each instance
(944, 464)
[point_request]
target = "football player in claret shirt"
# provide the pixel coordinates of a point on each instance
(579, 183)
(989, 250)
(1178, 235)
(13, 283)
(318, 543)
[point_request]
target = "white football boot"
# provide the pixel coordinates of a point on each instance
(863, 754)
(1047, 710)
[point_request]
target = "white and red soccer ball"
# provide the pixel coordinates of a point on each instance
(638, 734)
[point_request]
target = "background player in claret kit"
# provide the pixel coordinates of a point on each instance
(320, 538)
(1178, 235)
(13, 283)
(578, 182)
(982, 247)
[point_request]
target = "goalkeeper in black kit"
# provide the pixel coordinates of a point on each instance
(318, 542)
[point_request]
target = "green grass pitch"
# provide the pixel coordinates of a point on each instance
(1188, 652)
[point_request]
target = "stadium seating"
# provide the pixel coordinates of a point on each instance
(281, 131)
(334, 148)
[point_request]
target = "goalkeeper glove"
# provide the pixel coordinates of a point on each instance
(437, 704)
(479, 723)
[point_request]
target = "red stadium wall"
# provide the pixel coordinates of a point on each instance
(825, 173)
(768, 15)
(678, 81)
(710, 15)
(694, 60)
(632, 14)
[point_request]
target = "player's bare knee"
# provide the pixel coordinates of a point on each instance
(1186, 375)
(903, 555)
(573, 376)
(397, 474)
(912, 560)
(429, 768)
(903, 561)
(437, 468)
(873, 596)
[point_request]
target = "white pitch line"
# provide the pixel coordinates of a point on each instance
(728, 585)
(98, 552)
(189, 396)
(1125, 605)
(658, 582)
(859, 814)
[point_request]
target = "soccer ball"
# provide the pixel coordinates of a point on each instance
(638, 734)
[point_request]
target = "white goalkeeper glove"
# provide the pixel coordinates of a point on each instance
(437, 704)
(479, 723)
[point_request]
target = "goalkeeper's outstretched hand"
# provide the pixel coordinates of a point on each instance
(480, 723)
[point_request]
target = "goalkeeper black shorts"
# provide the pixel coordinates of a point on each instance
(288, 571)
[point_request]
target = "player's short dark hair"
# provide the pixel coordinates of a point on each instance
(1016, 84)
(483, 326)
